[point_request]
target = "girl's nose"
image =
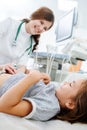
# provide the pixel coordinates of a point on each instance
(65, 82)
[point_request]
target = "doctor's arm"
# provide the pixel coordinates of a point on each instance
(4, 27)
(8, 68)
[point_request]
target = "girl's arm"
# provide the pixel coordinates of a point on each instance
(46, 78)
(11, 102)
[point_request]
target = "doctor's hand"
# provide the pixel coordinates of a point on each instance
(9, 69)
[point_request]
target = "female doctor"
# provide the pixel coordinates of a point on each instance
(18, 39)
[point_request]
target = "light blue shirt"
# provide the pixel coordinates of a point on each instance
(42, 97)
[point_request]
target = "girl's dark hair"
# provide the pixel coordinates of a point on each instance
(79, 113)
(43, 13)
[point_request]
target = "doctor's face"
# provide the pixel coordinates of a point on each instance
(35, 27)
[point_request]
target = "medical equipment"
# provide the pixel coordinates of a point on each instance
(43, 58)
(65, 25)
(77, 48)
(50, 58)
(17, 33)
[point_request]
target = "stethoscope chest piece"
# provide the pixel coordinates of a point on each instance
(13, 44)
(17, 33)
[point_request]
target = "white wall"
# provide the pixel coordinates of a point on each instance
(81, 27)
(82, 19)
(82, 9)
(82, 13)
(23, 8)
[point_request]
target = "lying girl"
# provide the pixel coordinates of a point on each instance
(30, 96)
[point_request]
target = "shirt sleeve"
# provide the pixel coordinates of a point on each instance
(42, 110)
(4, 26)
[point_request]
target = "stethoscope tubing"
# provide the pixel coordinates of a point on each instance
(29, 49)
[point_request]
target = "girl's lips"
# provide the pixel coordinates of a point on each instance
(62, 86)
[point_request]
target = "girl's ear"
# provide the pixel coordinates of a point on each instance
(70, 104)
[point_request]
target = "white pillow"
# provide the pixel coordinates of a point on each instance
(75, 76)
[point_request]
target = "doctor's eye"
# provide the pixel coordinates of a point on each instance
(45, 29)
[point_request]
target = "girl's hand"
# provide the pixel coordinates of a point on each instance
(35, 75)
(46, 78)
(27, 71)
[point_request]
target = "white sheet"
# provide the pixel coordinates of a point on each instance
(8, 122)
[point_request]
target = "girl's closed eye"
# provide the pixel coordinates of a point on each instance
(71, 84)
(42, 22)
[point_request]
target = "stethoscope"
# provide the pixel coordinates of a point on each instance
(27, 50)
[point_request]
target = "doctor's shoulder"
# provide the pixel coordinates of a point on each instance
(5, 25)
(8, 22)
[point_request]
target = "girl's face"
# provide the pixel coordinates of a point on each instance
(35, 27)
(68, 91)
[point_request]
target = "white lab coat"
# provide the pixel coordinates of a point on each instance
(9, 53)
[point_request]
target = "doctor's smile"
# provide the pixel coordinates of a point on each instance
(37, 26)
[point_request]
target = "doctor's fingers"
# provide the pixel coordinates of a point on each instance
(9, 69)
